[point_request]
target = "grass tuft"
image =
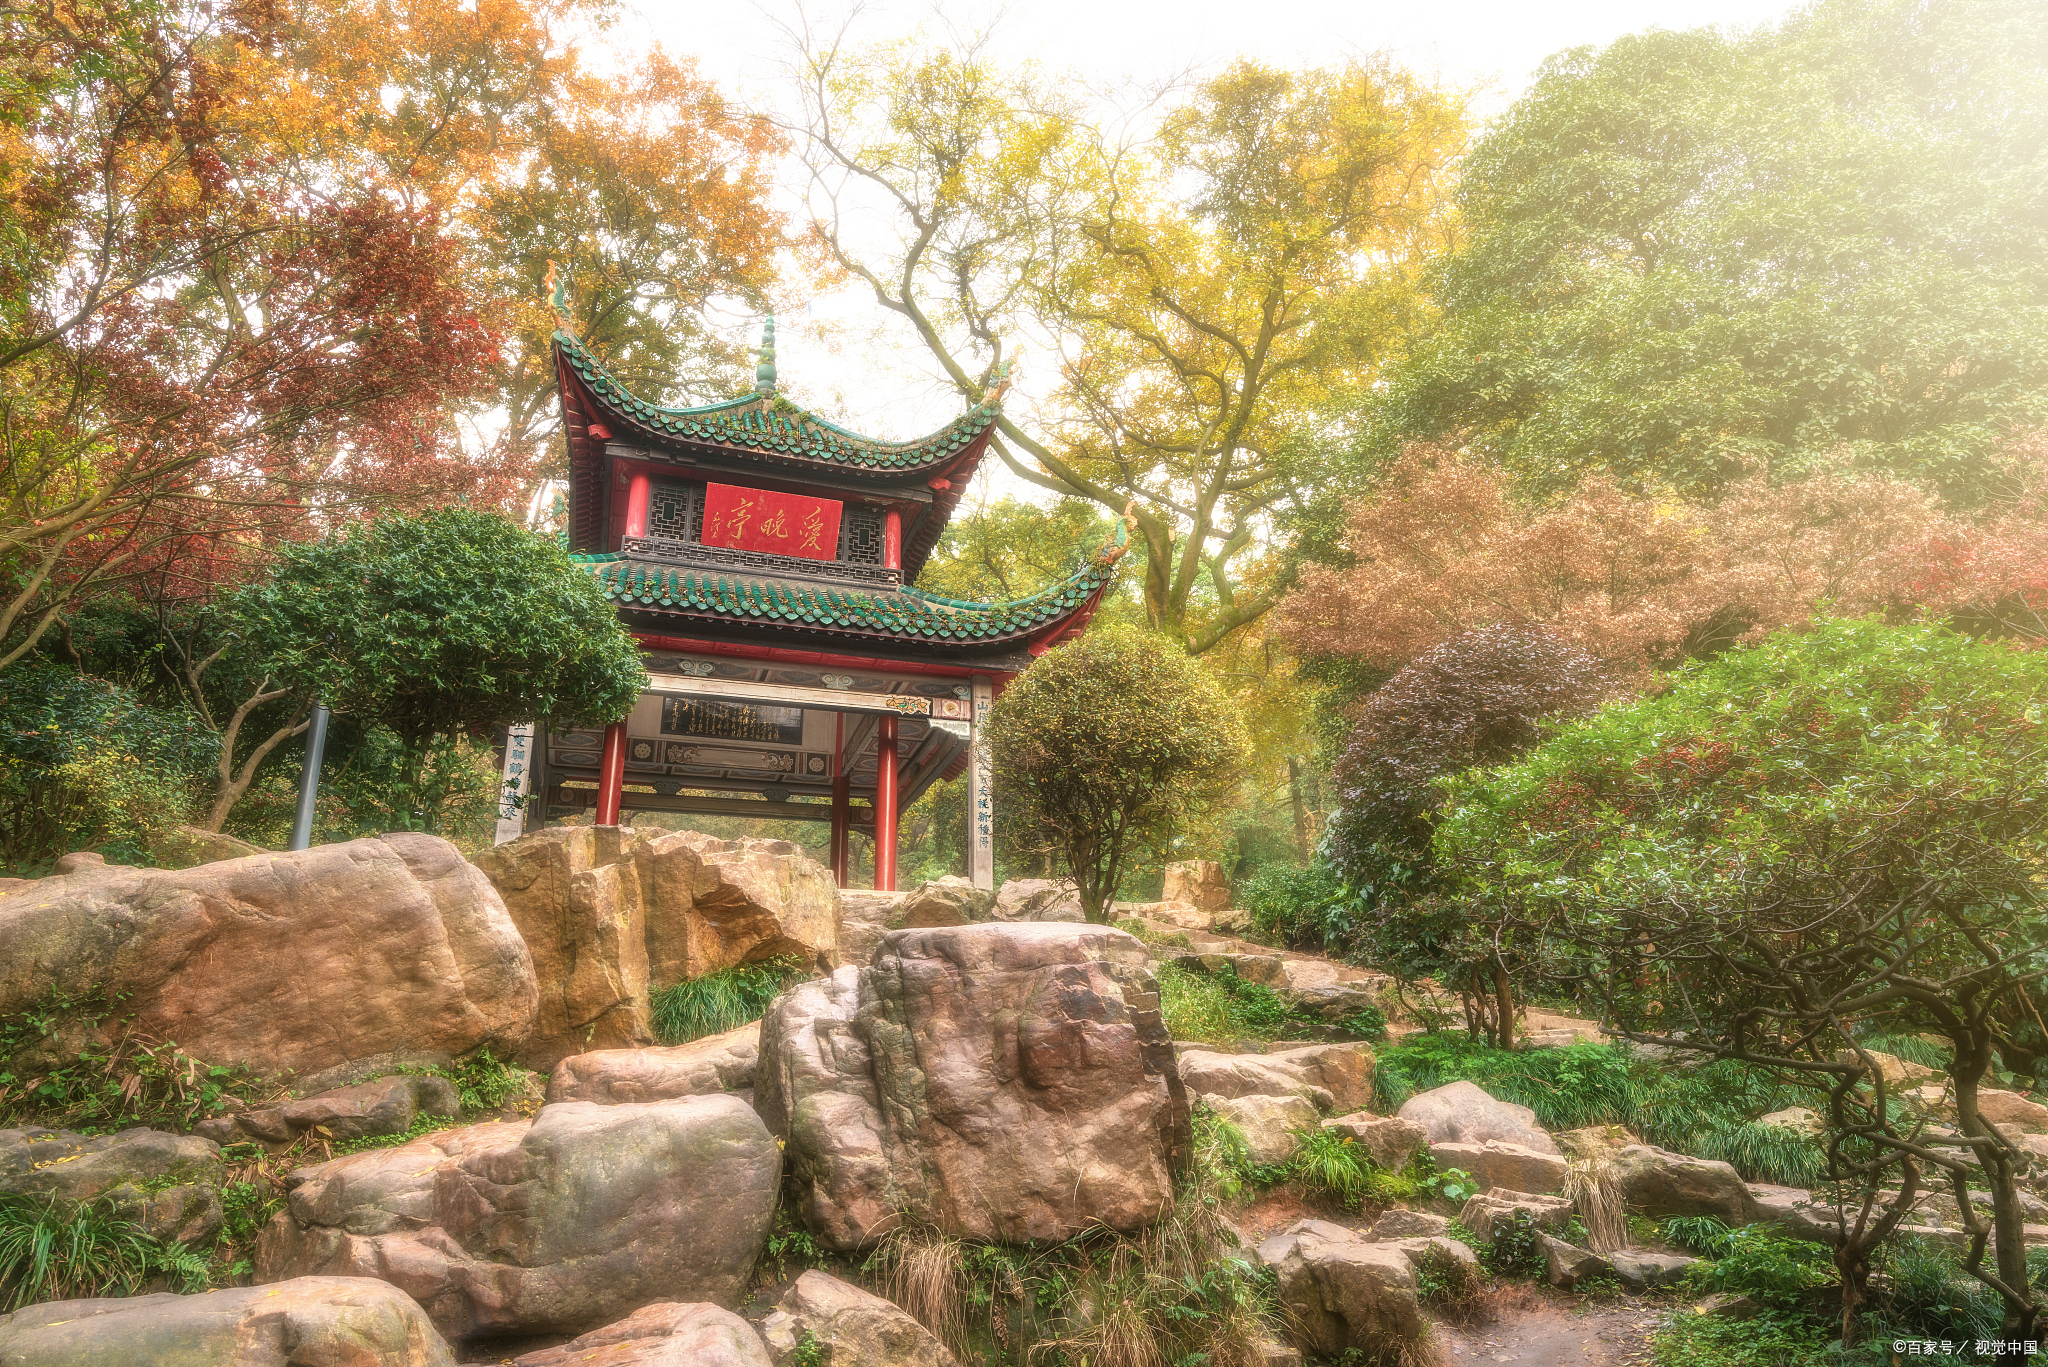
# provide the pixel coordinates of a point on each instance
(721, 1001)
(55, 1250)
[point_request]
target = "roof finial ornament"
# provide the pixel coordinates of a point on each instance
(764, 373)
(558, 296)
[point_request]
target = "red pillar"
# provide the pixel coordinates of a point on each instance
(611, 775)
(842, 803)
(892, 540)
(885, 805)
(636, 504)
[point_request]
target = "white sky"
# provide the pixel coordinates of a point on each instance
(841, 353)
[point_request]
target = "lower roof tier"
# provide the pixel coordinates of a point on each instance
(861, 618)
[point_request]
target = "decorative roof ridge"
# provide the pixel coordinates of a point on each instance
(1094, 569)
(767, 401)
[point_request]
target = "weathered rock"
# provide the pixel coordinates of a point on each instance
(1566, 1265)
(1661, 1184)
(557, 1225)
(858, 939)
(184, 847)
(1897, 1072)
(853, 1325)
(1798, 1119)
(665, 1334)
(1037, 899)
(1171, 916)
(306, 1322)
(1485, 1213)
(1461, 1113)
(1549, 1030)
(1494, 1164)
(1793, 1209)
(1274, 1250)
(1388, 1140)
(167, 1183)
(948, 901)
(283, 962)
(614, 915)
(2012, 1112)
(1270, 1124)
(1422, 1249)
(997, 1081)
(1640, 1270)
(1214, 1076)
(1337, 1005)
(1341, 1295)
(705, 1067)
(1409, 1224)
(387, 1105)
(1337, 1077)
(1201, 883)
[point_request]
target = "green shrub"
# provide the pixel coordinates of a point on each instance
(62, 1250)
(1923, 1292)
(1768, 1340)
(1218, 1008)
(1515, 1250)
(1760, 1262)
(721, 1001)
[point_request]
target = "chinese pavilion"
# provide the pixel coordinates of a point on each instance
(764, 559)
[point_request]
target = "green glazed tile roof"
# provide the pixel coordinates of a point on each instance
(905, 613)
(759, 422)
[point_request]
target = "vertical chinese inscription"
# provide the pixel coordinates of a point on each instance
(981, 774)
(517, 778)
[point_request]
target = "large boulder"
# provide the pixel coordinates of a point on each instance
(1271, 1125)
(1387, 1140)
(169, 1184)
(363, 1110)
(1462, 1113)
(557, 1225)
(998, 1081)
(851, 1325)
(1494, 1164)
(1340, 1294)
(1201, 883)
(704, 1067)
(665, 1334)
(1037, 899)
(1490, 1211)
(306, 1322)
(1661, 1184)
(1337, 1077)
(1566, 1265)
(282, 962)
(948, 901)
(615, 915)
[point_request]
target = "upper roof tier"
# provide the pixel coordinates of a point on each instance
(763, 426)
(765, 434)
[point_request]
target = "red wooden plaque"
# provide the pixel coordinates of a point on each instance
(780, 524)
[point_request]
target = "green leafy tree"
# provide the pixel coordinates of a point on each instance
(1830, 837)
(1107, 749)
(1692, 254)
(440, 624)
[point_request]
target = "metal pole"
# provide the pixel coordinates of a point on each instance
(309, 778)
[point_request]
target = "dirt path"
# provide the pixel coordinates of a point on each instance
(1533, 1331)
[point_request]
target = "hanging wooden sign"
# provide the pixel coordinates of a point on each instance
(779, 524)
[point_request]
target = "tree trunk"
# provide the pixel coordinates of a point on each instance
(1300, 807)
(1504, 1007)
